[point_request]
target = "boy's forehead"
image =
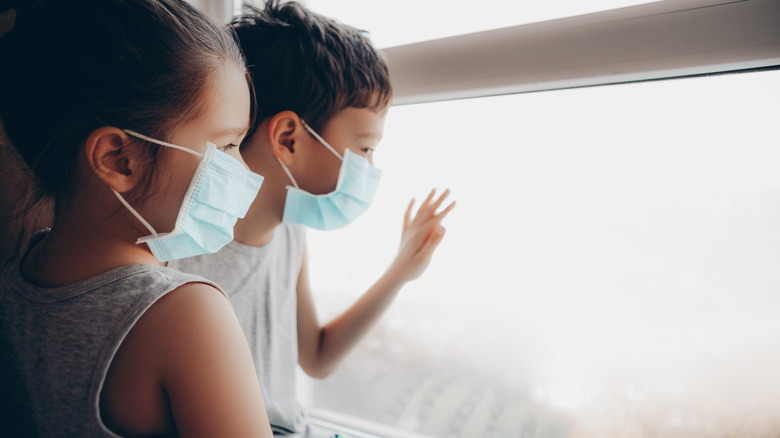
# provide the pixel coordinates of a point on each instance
(365, 115)
(362, 122)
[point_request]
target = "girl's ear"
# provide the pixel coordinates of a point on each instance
(108, 155)
(283, 132)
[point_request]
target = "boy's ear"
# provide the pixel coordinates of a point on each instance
(107, 153)
(283, 131)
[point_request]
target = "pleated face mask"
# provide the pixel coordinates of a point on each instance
(220, 192)
(355, 189)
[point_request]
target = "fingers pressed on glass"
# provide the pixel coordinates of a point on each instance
(442, 214)
(435, 205)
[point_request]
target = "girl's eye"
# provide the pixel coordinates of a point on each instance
(228, 147)
(368, 151)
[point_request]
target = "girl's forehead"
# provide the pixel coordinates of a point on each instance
(224, 117)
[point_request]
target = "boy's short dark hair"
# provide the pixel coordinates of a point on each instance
(309, 64)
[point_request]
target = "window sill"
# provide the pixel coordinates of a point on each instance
(353, 427)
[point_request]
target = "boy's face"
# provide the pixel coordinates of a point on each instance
(356, 129)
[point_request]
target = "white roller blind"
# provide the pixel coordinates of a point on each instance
(658, 40)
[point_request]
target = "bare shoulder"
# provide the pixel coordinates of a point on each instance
(134, 399)
(166, 330)
(188, 305)
(204, 363)
(187, 323)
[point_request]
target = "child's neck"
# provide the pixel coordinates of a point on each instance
(265, 214)
(81, 246)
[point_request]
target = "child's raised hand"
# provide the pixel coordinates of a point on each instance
(420, 236)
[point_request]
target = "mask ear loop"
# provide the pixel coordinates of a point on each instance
(287, 171)
(322, 140)
(161, 143)
(135, 213)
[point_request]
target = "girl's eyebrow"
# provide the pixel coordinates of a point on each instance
(233, 132)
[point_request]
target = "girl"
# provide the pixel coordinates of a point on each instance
(116, 106)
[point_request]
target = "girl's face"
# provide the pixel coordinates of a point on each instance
(223, 121)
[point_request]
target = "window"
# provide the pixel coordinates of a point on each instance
(611, 267)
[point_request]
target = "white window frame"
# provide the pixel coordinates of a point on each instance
(667, 39)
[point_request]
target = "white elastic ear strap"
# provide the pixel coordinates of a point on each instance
(162, 143)
(135, 213)
(322, 140)
(287, 171)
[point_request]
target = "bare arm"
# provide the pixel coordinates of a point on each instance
(190, 346)
(321, 348)
(210, 377)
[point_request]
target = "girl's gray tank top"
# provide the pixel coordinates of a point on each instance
(56, 344)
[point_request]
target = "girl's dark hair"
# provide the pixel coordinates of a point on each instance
(307, 63)
(70, 67)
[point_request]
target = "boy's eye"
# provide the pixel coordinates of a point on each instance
(368, 151)
(227, 147)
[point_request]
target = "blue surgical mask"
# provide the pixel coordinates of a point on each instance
(355, 189)
(221, 191)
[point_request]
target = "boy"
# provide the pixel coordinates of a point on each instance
(322, 95)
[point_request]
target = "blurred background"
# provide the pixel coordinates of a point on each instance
(611, 268)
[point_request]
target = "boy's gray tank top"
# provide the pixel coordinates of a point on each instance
(56, 344)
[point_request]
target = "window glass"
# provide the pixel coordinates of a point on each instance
(399, 22)
(611, 268)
